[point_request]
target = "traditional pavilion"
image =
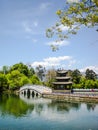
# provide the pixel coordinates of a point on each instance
(62, 82)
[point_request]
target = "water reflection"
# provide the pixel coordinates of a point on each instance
(19, 106)
(64, 106)
(51, 104)
(91, 106)
(41, 114)
(12, 105)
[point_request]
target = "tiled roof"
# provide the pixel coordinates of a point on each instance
(62, 83)
(62, 71)
(63, 77)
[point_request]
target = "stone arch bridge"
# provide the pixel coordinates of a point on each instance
(34, 90)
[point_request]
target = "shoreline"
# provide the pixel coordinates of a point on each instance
(77, 97)
(72, 97)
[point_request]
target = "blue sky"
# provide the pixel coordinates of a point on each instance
(23, 25)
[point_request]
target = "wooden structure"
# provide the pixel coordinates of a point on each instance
(62, 82)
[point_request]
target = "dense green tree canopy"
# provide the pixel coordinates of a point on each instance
(35, 80)
(3, 82)
(16, 76)
(74, 14)
(90, 74)
(22, 68)
(14, 79)
(76, 76)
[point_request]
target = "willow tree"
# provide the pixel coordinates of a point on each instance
(75, 14)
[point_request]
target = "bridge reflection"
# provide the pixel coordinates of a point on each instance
(35, 100)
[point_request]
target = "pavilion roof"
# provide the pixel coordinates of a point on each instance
(62, 83)
(62, 71)
(63, 77)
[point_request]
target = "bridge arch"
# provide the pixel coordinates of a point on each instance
(34, 90)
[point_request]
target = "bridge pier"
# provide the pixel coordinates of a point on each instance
(30, 93)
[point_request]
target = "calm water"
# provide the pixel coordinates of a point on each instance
(19, 113)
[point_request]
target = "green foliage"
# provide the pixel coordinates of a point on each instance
(35, 80)
(91, 84)
(89, 81)
(96, 84)
(25, 80)
(3, 82)
(14, 79)
(14, 106)
(17, 79)
(76, 86)
(31, 72)
(90, 74)
(82, 82)
(86, 84)
(75, 14)
(17, 76)
(76, 76)
(22, 69)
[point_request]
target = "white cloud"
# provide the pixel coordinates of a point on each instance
(63, 28)
(35, 23)
(72, 62)
(52, 61)
(59, 43)
(27, 27)
(36, 63)
(57, 59)
(30, 27)
(94, 68)
(73, 1)
(34, 40)
(44, 6)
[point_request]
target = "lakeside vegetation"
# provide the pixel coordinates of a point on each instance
(12, 78)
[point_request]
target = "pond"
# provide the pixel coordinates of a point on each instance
(18, 113)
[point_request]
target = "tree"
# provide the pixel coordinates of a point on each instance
(31, 70)
(25, 80)
(14, 79)
(35, 80)
(90, 74)
(89, 84)
(50, 77)
(3, 82)
(75, 14)
(40, 70)
(96, 84)
(76, 76)
(21, 68)
(5, 69)
(82, 81)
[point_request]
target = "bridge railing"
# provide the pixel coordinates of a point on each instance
(38, 88)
